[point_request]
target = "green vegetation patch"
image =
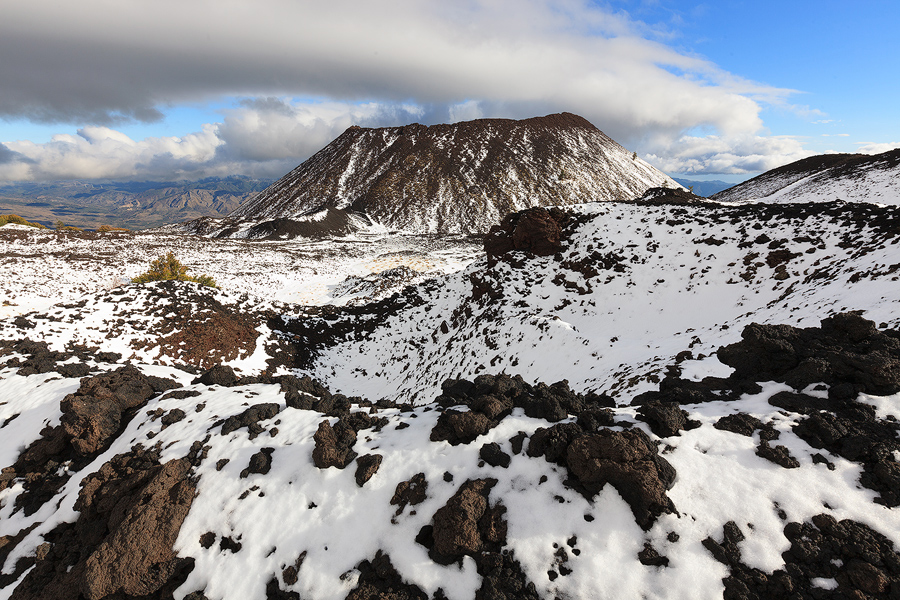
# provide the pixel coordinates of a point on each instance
(168, 268)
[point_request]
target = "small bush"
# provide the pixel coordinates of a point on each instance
(168, 268)
(110, 229)
(4, 219)
(60, 226)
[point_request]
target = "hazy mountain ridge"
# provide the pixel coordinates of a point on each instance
(703, 188)
(135, 205)
(458, 178)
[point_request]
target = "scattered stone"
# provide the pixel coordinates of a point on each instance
(366, 467)
(250, 418)
(778, 454)
(230, 545)
(863, 562)
(665, 418)
(630, 462)
(651, 558)
(411, 492)
(378, 579)
(222, 375)
(173, 416)
(260, 463)
(493, 455)
(740, 423)
(465, 525)
(334, 446)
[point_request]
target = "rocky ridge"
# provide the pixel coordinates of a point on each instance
(823, 178)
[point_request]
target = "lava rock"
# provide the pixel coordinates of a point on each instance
(534, 230)
(260, 463)
(250, 417)
(334, 446)
(414, 491)
(378, 579)
(665, 418)
(218, 375)
(629, 461)
(493, 455)
(465, 525)
(131, 511)
(366, 467)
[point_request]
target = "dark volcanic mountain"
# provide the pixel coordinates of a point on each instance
(458, 178)
(823, 178)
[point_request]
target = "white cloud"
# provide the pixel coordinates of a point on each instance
(103, 153)
(102, 61)
(263, 137)
(739, 154)
(877, 147)
(373, 64)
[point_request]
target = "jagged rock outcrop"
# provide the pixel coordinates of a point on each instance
(91, 418)
(458, 178)
(121, 545)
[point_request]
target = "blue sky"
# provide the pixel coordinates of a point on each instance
(182, 89)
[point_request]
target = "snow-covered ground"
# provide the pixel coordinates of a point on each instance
(668, 279)
(40, 268)
(634, 286)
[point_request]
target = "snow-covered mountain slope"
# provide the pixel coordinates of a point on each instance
(847, 177)
(684, 452)
(631, 286)
(141, 481)
(459, 178)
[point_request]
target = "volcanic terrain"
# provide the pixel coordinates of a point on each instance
(656, 397)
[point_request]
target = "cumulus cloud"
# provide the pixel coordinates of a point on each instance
(877, 148)
(99, 152)
(262, 137)
(738, 154)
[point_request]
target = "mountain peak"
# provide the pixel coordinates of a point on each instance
(460, 177)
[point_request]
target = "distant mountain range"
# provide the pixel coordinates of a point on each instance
(704, 188)
(131, 204)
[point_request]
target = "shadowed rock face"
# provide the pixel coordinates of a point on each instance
(91, 419)
(536, 230)
(458, 178)
(629, 461)
(131, 512)
(847, 350)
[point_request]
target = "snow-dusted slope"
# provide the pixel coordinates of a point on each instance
(632, 286)
(272, 488)
(459, 178)
(765, 469)
(847, 177)
(40, 267)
